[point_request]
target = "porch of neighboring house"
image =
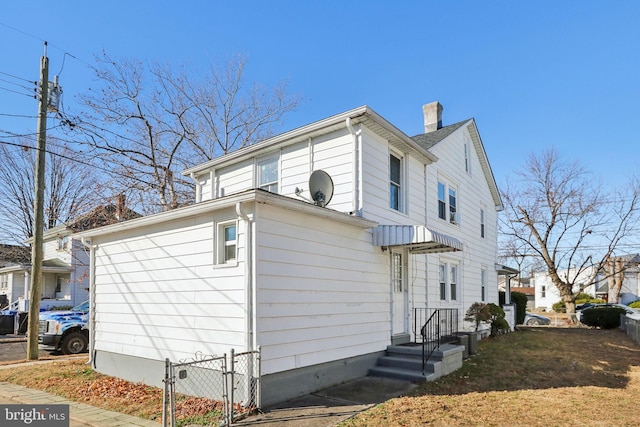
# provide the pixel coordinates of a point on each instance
(56, 287)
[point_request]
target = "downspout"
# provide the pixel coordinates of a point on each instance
(92, 299)
(248, 275)
(198, 187)
(357, 169)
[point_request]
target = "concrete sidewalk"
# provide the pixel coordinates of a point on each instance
(81, 414)
(330, 406)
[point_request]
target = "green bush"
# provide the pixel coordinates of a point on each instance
(498, 323)
(581, 298)
(520, 300)
(603, 317)
(635, 304)
(477, 313)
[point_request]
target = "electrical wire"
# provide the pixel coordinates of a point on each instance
(16, 77)
(19, 93)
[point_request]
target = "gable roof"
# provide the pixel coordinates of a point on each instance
(361, 115)
(97, 217)
(14, 254)
(428, 140)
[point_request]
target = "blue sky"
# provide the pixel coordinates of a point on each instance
(534, 74)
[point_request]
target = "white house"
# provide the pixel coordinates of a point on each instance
(546, 293)
(321, 289)
(65, 266)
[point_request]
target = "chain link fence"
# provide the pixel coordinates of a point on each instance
(211, 390)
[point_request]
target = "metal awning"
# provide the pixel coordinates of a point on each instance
(417, 238)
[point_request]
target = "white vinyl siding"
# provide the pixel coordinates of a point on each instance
(324, 295)
(157, 294)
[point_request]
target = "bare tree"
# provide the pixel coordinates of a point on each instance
(70, 188)
(150, 122)
(564, 218)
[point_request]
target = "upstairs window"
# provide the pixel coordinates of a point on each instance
(482, 223)
(268, 174)
(467, 160)
(63, 243)
(448, 203)
(395, 183)
(453, 213)
(442, 202)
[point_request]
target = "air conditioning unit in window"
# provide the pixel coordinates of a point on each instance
(454, 217)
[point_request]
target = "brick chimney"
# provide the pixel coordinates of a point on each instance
(432, 116)
(120, 206)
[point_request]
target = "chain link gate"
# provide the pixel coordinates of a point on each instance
(211, 389)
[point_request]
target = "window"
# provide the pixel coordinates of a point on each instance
(63, 242)
(482, 223)
(452, 206)
(442, 202)
(395, 187)
(396, 272)
(4, 281)
(448, 202)
(442, 269)
(449, 281)
(483, 285)
(543, 291)
(227, 243)
(467, 160)
(268, 174)
(58, 284)
(453, 282)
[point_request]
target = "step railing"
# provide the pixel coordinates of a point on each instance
(437, 327)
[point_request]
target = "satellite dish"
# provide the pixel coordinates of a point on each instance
(321, 188)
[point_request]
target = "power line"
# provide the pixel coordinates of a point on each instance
(19, 93)
(104, 169)
(16, 77)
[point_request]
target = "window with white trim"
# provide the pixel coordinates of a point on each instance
(227, 242)
(543, 291)
(448, 276)
(442, 273)
(483, 284)
(395, 182)
(63, 243)
(448, 203)
(467, 159)
(4, 281)
(453, 282)
(482, 222)
(268, 174)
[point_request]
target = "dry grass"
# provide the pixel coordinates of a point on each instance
(533, 377)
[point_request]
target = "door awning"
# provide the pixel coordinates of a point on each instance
(417, 238)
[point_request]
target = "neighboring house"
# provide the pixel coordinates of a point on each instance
(546, 293)
(321, 290)
(13, 258)
(65, 265)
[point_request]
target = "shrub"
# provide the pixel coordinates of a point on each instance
(498, 323)
(520, 300)
(635, 304)
(476, 313)
(602, 317)
(581, 298)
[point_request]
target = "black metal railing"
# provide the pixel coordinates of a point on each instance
(433, 328)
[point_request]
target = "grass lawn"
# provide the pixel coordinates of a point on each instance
(532, 377)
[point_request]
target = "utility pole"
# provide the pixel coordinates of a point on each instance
(38, 208)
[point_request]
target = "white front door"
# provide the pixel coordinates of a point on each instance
(399, 294)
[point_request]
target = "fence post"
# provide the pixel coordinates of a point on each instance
(232, 387)
(165, 397)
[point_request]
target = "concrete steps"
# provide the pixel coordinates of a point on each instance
(404, 362)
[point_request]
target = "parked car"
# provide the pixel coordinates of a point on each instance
(532, 319)
(65, 330)
(631, 312)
